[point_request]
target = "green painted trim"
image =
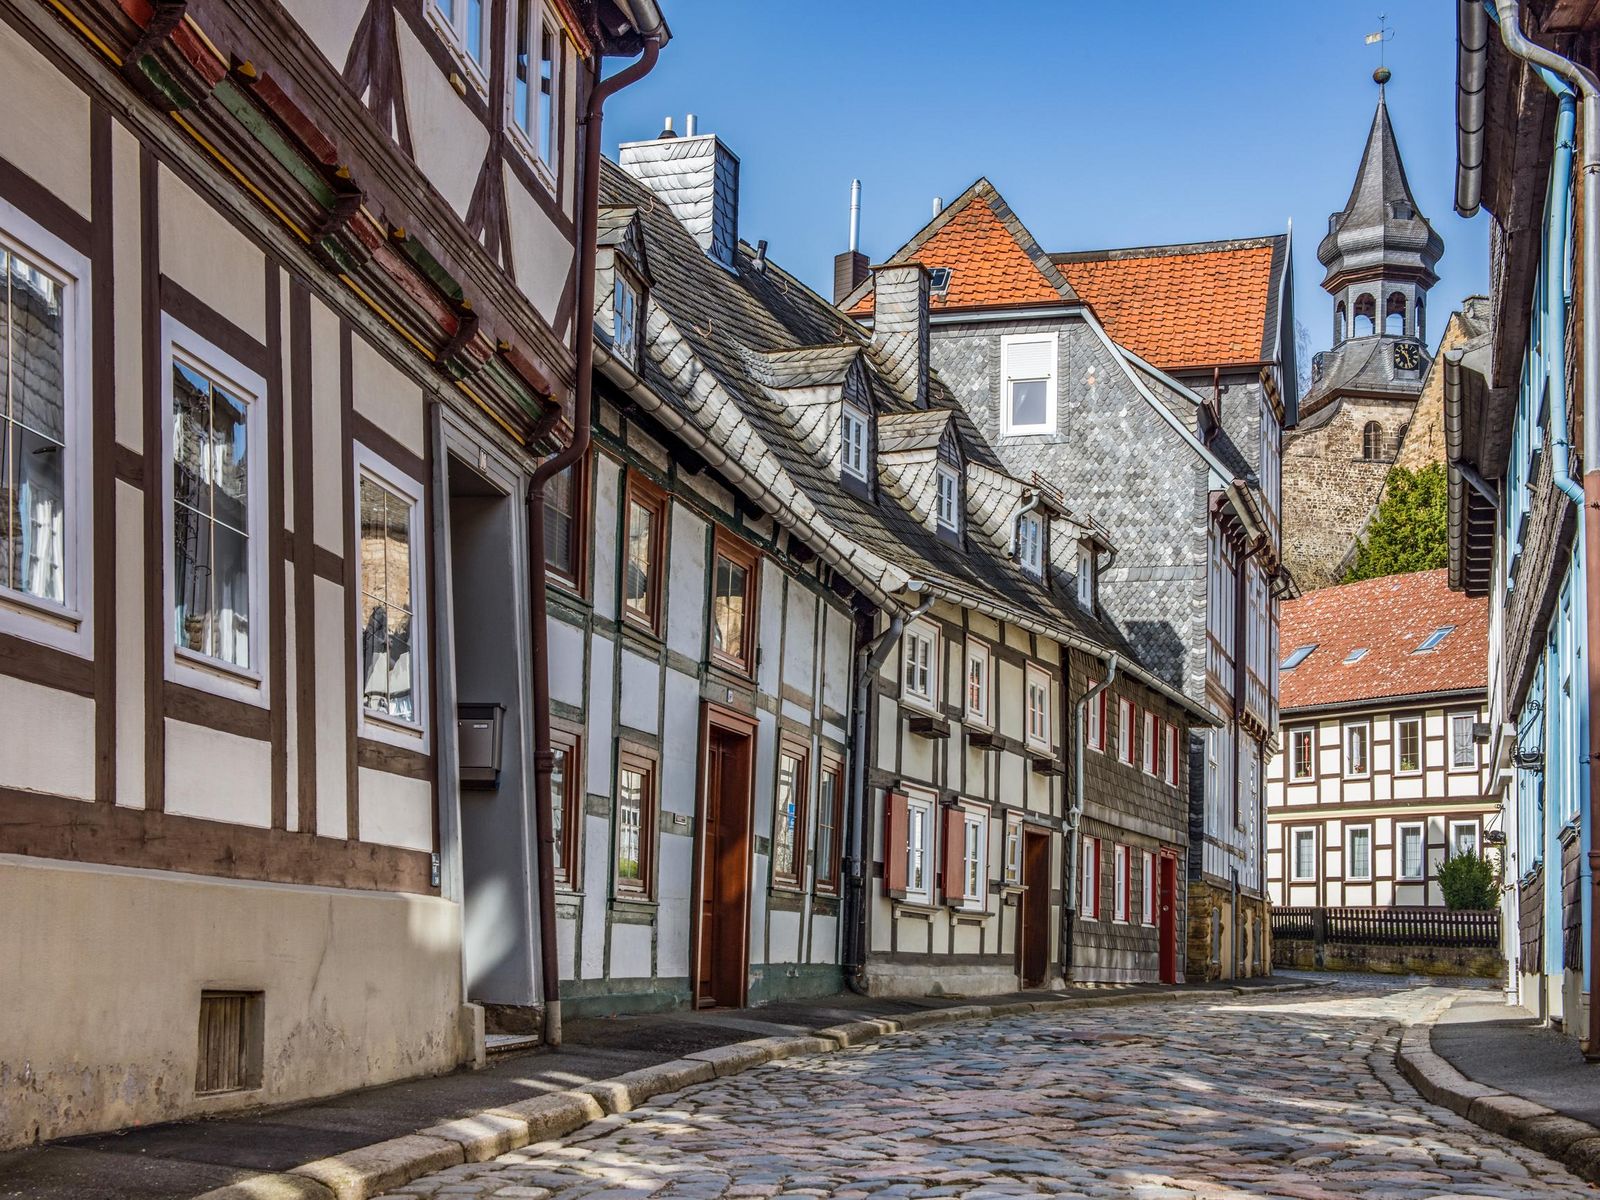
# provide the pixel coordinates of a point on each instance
(774, 982)
(259, 126)
(430, 267)
(622, 997)
(150, 67)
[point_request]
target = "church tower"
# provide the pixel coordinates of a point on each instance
(1379, 254)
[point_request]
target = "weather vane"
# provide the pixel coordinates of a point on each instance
(1384, 34)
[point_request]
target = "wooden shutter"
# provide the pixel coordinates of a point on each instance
(954, 883)
(895, 822)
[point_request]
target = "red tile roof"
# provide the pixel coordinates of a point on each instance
(1177, 306)
(1389, 617)
(988, 266)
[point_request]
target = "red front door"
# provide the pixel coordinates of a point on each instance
(1168, 908)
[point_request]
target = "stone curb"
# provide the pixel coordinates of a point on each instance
(1574, 1144)
(372, 1170)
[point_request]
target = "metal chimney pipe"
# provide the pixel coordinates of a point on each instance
(689, 125)
(855, 215)
(938, 205)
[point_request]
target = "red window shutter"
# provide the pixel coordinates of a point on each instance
(955, 844)
(894, 844)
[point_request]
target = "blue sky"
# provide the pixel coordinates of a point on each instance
(1102, 124)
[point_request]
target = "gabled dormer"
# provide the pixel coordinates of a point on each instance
(922, 466)
(825, 393)
(1091, 543)
(622, 281)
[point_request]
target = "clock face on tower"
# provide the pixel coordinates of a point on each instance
(1407, 356)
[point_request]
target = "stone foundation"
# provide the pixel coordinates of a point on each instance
(1210, 955)
(1301, 955)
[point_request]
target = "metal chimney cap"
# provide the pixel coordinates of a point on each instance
(666, 129)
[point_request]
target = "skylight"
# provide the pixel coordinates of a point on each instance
(938, 280)
(1297, 656)
(1431, 642)
(1355, 655)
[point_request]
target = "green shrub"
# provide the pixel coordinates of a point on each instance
(1468, 881)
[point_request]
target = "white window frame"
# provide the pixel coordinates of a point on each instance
(1126, 711)
(1008, 428)
(853, 448)
(1350, 875)
(919, 814)
(1122, 888)
(1471, 719)
(1147, 760)
(920, 631)
(1089, 878)
(1311, 754)
(69, 625)
(1013, 851)
(1366, 735)
(978, 653)
(947, 498)
(1295, 835)
(540, 18)
(1086, 577)
(1094, 720)
(250, 683)
(1030, 547)
(1170, 734)
(1400, 852)
(454, 32)
(414, 734)
(972, 818)
(1452, 849)
(627, 350)
(1147, 887)
(1422, 758)
(1036, 684)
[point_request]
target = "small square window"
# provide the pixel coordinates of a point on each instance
(1302, 754)
(1431, 642)
(1297, 656)
(853, 442)
(1304, 866)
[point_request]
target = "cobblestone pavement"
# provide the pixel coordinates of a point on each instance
(1290, 1095)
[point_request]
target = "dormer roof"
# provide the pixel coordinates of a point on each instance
(618, 229)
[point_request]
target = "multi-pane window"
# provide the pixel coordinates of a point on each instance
(1013, 851)
(636, 821)
(642, 566)
(1125, 711)
(973, 884)
(1463, 747)
(853, 442)
(919, 849)
(1030, 543)
(1411, 856)
(1147, 887)
(830, 812)
(1170, 739)
(1148, 760)
(1302, 761)
(566, 804)
(1123, 894)
(920, 673)
(948, 509)
(978, 682)
(732, 588)
(563, 530)
(1304, 865)
(1086, 577)
(1408, 745)
(212, 457)
(1355, 750)
(1095, 720)
(1028, 373)
(789, 818)
(1464, 837)
(36, 453)
(1038, 709)
(1358, 840)
(465, 23)
(1089, 879)
(625, 319)
(533, 94)
(387, 576)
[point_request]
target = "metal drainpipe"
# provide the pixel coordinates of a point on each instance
(870, 658)
(583, 353)
(1016, 524)
(1563, 77)
(1069, 901)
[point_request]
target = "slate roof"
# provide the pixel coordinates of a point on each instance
(715, 338)
(1198, 305)
(1388, 617)
(993, 260)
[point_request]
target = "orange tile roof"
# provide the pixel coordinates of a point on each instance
(1388, 617)
(1177, 307)
(988, 266)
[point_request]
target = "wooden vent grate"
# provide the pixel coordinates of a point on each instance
(230, 1042)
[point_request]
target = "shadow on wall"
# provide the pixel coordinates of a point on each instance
(1159, 647)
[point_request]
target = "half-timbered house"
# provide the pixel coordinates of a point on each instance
(285, 325)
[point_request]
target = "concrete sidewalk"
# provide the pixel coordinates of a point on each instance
(186, 1158)
(1497, 1067)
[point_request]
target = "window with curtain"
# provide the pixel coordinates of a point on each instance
(1360, 843)
(1411, 858)
(562, 514)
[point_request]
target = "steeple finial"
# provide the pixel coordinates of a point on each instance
(1382, 75)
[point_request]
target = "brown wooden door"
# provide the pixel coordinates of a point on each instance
(724, 883)
(1168, 907)
(1033, 935)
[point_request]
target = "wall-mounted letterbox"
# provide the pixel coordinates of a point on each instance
(479, 731)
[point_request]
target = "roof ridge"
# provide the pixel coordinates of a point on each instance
(1166, 249)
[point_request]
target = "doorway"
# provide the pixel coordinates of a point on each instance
(722, 876)
(1033, 931)
(1168, 907)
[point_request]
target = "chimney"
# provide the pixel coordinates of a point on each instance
(900, 327)
(850, 268)
(697, 178)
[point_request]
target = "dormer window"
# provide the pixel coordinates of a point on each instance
(853, 442)
(1030, 543)
(938, 282)
(1431, 642)
(948, 505)
(625, 319)
(1086, 577)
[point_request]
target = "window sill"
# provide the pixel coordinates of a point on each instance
(634, 903)
(914, 907)
(970, 916)
(206, 675)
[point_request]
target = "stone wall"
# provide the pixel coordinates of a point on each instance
(1210, 951)
(1301, 955)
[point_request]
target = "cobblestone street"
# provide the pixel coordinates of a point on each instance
(1292, 1095)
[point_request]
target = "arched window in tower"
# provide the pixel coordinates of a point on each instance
(1394, 315)
(1422, 328)
(1340, 323)
(1366, 317)
(1371, 440)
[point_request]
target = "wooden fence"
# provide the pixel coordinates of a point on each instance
(1411, 926)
